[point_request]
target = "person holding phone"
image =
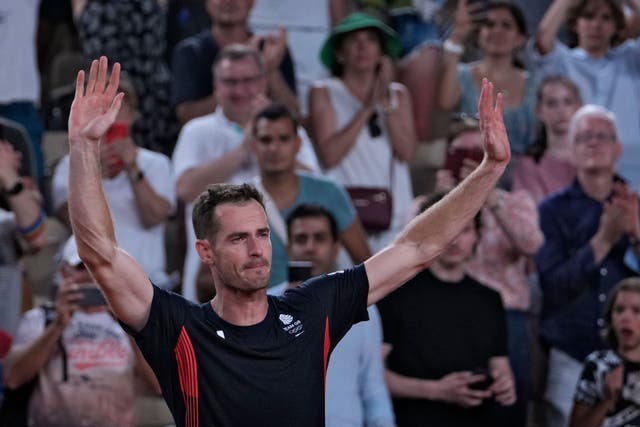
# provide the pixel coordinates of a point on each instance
(501, 31)
(356, 392)
(510, 236)
(84, 361)
(445, 343)
(361, 121)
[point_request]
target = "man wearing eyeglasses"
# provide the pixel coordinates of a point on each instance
(193, 89)
(215, 148)
(592, 232)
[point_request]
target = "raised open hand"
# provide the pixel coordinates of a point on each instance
(493, 134)
(95, 107)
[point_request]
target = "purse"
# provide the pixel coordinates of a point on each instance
(374, 207)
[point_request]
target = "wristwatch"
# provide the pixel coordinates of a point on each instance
(15, 189)
(137, 176)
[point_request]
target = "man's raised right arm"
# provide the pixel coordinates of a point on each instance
(124, 283)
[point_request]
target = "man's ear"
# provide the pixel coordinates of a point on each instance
(205, 252)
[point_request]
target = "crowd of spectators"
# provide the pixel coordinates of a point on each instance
(311, 101)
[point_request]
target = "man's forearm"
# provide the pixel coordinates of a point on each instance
(152, 208)
(88, 209)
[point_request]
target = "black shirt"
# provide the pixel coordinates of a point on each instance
(437, 328)
(213, 373)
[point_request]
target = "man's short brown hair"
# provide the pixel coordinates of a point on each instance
(205, 223)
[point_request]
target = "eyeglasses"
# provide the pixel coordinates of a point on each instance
(374, 125)
(599, 137)
(231, 81)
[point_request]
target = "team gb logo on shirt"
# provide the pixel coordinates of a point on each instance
(292, 326)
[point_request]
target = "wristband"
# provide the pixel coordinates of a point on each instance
(452, 47)
(15, 189)
(137, 177)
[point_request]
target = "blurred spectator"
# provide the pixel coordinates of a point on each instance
(307, 24)
(19, 78)
(606, 75)
(140, 188)
(419, 27)
(185, 18)
(84, 361)
(275, 144)
(446, 340)
(509, 237)
(607, 394)
(361, 121)
(356, 393)
(501, 33)
(588, 228)
(193, 80)
(133, 32)
(548, 165)
(22, 218)
(215, 148)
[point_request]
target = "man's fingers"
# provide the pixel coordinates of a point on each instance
(101, 81)
(115, 106)
(93, 77)
(499, 102)
(114, 81)
(79, 85)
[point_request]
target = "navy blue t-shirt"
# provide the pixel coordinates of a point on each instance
(213, 373)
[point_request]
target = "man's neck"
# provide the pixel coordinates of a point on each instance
(597, 185)
(232, 33)
(447, 273)
(282, 187)
(241, 308)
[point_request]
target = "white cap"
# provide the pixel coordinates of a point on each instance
(70, 252)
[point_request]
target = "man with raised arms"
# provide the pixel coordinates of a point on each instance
(246, 358)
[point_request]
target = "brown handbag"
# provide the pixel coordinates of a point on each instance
(374, 207)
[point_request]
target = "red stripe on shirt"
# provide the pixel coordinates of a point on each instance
(188, 375)
(327, 346)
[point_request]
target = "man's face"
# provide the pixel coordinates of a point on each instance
(310, 239)
(241, 249)
(238, 84)
(595, 145)
(229, 12)
(461, 249)
(275, 145)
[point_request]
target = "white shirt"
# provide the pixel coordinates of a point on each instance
(145, 245)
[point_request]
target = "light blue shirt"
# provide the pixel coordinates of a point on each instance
(357, 394)
(319, 191)
(612, 81)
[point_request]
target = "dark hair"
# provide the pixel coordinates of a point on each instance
(203, 216)
(273, 112)
(539, 145)
(630, 284)
(513, 9)
(580, 9)
(337, 69)
(238, 52)
(435, 197)
(307, 210)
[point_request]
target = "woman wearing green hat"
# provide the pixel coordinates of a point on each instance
(362, 122)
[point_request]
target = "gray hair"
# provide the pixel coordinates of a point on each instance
(591, 110)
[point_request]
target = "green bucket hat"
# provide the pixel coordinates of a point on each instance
(358, 21)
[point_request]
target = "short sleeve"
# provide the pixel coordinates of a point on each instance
(187, 153)
(340, 296)
(157, 167)
(553, 62)
(587, 389)
(31, 326)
